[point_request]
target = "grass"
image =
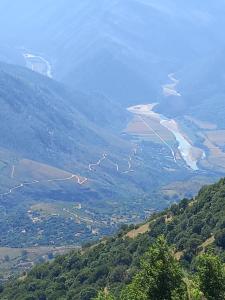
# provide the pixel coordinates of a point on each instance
(140, 230)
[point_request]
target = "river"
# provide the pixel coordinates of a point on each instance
(186, 149)
(38, 64)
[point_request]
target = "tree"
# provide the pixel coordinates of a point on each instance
(104, 296)
(220, 239)
(160, 277)
(88, 294)
(211, 276)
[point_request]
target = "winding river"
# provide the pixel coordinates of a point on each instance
(38, 64)
(186, 149)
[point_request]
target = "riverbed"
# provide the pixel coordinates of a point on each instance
(38, 64)
(188, 152)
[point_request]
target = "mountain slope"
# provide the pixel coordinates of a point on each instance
(50, 145)
(113, 47)
(114, 261)
(48, 115)
(63, 160)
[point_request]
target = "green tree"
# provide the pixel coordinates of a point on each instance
(211, 276)
(104, 296)
(220, 239)
(88, 294)
(160, 277)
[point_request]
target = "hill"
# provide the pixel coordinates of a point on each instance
(66, 163)
(193, 226)
(50, 146)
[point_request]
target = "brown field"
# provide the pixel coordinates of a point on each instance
(216, 158)
(135, 232)
(217, 137)
(47, 208)
(185, 188)
(178, 255)
(60, 209)
(207, 243)
(201, 124)
(39, 170)
(28, 170)
(138, 127)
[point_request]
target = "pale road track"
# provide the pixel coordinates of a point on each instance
(79, 180)
(90, 167)
(116, 165)
(129, 162)
(156, 133)
(13, 172)
(129, 166)
(22, 185)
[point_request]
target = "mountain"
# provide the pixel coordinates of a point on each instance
(68, 166)
(49, 117)
(201, 90)
(49, 147)
(66, 163)
(193, 227)
(123, 50)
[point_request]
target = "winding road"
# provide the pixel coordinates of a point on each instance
(104, 156)
(79, 180)
(22, 185)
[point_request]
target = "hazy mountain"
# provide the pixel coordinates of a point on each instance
(42, 120)
(64, 160)
(123, 49)
(108, 54)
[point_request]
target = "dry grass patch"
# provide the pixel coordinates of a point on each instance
(140, 230)
(201, 124)
(39, 171)
(207, 243)
(151, 131)
(178, 255)
(217, 137)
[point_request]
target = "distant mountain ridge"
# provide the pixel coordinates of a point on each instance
(121, 49)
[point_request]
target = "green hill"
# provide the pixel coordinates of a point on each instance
(193, 227)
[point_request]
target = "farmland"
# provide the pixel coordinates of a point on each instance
(200, 144)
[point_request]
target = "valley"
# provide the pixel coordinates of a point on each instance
(111, 111)
(84, 192)
(183, 149)
(152, 126)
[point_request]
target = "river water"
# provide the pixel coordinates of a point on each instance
(38, 64)
(186, 149)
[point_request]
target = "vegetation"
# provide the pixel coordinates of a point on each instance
(160, 277)
(115, 263)
(211, 276)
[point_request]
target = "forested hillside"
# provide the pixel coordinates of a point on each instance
(192, 227)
